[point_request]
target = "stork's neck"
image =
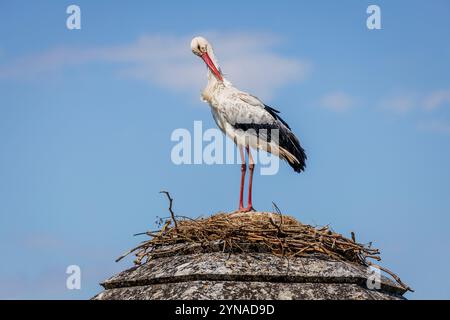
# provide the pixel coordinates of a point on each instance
(211, 76)
(211, 88)
(213, 83)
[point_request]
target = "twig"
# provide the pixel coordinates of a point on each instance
(393, 275)
(170, 208)
(130, 251)
(279, 212)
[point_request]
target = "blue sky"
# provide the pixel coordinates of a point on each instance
(86, 117)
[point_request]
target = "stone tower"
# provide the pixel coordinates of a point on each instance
(209, 273)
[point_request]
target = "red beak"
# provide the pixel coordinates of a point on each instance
(211, 66)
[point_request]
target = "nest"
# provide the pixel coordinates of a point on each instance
(276, 233)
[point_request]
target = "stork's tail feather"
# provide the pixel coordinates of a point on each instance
(292, 151)
(290, 148)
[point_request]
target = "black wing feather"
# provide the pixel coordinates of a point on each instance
(287, 139)
(274, 113)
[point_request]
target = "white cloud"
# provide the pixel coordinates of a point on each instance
(248, 59)
(402, 103)
(421, 105)
(437, 99)
(435, 126)
(406, 102)
(337, 101)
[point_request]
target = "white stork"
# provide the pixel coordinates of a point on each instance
(246, 120)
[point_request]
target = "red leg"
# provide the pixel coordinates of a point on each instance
(243, 169)
(251, 167)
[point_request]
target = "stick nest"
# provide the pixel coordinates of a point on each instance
(276, 233)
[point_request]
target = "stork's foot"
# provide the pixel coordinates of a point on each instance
(248, 209)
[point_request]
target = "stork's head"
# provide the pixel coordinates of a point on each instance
(201, 47)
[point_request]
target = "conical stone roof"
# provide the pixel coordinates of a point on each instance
(208, 273)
